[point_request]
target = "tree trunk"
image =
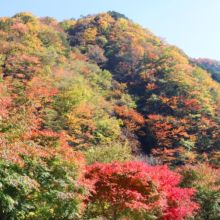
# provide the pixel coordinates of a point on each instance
(3, 214)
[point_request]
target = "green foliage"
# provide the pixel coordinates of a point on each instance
(102, 41)
(66, 24)
(38, 168)
(207, 182)
(116, 15)
(66, 44)
(211, 66)
(27, 17)
(107, 153)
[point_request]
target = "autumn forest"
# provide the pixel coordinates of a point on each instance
(102, 120)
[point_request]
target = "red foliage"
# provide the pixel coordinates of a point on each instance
(124, 68)
(80, 57)
(150, 87)
(140, 188)
(208, 61)
(152, 56)
(55, 145)
(87, 72)
(131, 118)
(24, 139)
(21, 28)
(24, 66)
(41, 92)
(191, 104)
(5, 102)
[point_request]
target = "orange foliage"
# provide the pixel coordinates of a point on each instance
(131, 118)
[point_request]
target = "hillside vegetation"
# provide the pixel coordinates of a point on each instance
(101, 119)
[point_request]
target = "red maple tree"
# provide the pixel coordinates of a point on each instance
(138, 190)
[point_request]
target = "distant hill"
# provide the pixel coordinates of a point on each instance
(211, 66)
(214, 64)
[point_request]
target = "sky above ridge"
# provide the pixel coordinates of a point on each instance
(192, 25)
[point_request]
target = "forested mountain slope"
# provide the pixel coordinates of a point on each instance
(211, 66)
(73, 94)
(104, 89)
(179, 100)
(214, 64)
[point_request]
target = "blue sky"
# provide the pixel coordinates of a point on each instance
(192, 25)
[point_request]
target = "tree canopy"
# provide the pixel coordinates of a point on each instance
(101, 119)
